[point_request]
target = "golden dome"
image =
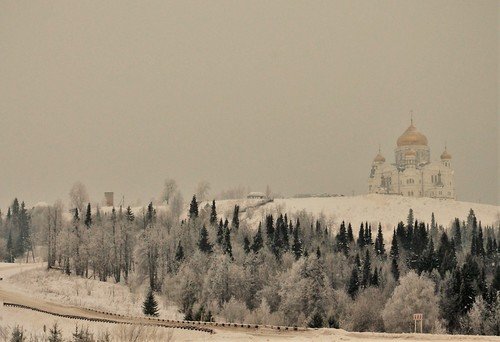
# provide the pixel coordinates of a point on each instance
(410, 153)
(412, 137)
(379, 158)
(445, 154)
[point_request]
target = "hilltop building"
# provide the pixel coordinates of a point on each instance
(413, 174)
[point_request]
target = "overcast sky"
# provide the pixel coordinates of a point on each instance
(298, 95)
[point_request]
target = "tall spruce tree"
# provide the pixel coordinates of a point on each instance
(193, 208)
(394, 253)
(350, 235)
(395, 269)
(220, 233)
(353, 285)
(150, 306)
(379, 242)
(235, 223)
(179, 252)
(258, 241)
(365, 280)
(88, 216)
(361, 236)
(213, 214)
(297, 244)
(203, 243)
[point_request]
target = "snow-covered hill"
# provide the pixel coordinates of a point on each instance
(386, 209)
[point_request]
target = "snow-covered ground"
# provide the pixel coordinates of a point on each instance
(386, 209)
(28, 281)
(54, 286)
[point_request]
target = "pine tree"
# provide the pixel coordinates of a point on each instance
(235, 223)
(246, 245)
(297, 244)
(270, 229)
(379, 242)
(318, 253)
(353, 286)
(410, 219)
(395, 270)
(150, 306)
(480, 241)
(394, 253)
(203, 243)
(88, 216)
(179, 252)
(227, 247)
(213, 214)
(457, 234)
(365, 281)
(55, 334)
(316, 321)
(361, 236)
(220, 233)
(350, 236)
(10, 248)
(375, 281)
(193, 208)
(342, 242)
(258, 242)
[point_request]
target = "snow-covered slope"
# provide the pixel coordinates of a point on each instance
(386, 209)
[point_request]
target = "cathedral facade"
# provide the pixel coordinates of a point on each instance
(413, 174)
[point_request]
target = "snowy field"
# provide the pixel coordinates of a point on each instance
(54, 286)
(386, 209)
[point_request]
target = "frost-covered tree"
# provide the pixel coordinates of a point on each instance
(414, 294)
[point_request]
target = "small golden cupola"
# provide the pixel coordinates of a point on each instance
(445, 155)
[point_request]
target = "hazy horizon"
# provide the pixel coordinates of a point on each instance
(294, 95)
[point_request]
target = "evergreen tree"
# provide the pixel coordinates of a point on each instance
(193, 208)
(410, 219)
(270, 229)
(88, 216)
(350, 236)
(318, 253)
(179, 252)
(342, 241)
(258, 242)
(213, 214)
(220, 233)
(55, 334)
(395, 269)
(480, 241)
(129, 215)
(457, 234)
(246, 245)
(227, 247)
(235, 223)
(150, 306)
(203, 243)
(18, 334)
(496, 279)
(316, 321)
(361, 236)
(394, 253)
(365, 281)
(375, 281)
(353, 286)
(10, 248)
(379, 242)
(297, 244)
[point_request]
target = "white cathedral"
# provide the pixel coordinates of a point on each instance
(413, 174)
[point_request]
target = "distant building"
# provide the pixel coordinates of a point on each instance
(413, 174)
(109, 199)
(256, 195)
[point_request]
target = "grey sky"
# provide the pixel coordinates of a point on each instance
(297, 95)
